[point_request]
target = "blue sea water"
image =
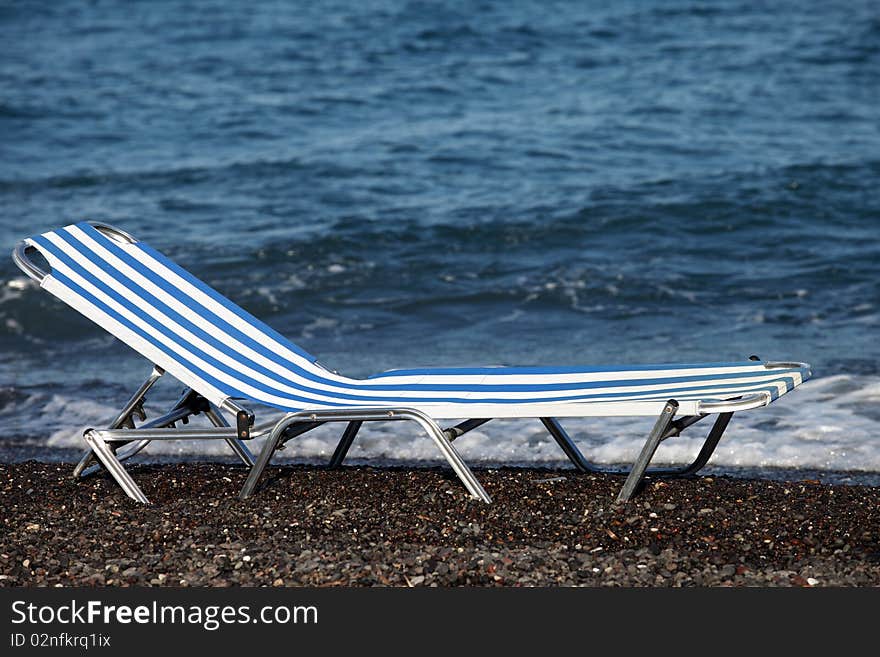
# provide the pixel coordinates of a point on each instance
(396, 184)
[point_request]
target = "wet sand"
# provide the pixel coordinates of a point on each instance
(417, 527)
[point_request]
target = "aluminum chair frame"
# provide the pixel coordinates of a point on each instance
(123, 438)
(664, 428)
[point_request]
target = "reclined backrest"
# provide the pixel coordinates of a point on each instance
(168, 315)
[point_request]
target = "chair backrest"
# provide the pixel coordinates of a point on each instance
(172, 318)
(221, 351)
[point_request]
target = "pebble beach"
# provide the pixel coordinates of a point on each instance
(445, 185)
(365, 526)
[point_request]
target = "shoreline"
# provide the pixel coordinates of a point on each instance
(401, 526)
(22, 453)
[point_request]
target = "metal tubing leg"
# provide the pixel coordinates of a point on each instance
(344, 445)
(279, 435)
(575, 455)
(471, 483)
(125, 450)
(449, 452)
(84, 466)
(124, 415)
(115, 468)
(567, 444)
(263, 459)
(130, 449)
(113, 461)
(641, 464)
(240, 449)
(709, 446)
(705, 453)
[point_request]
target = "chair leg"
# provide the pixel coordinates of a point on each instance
(262, 461)
(567, 444)
(473, 485)
(241, 451)
(709, 446)
(577, 457)
(103, 452)
(344, 445)
(86, 465)
(132, 406)
(238, 446)
(282, 431)
(130, 449)
(703, 456)
(124, 450)
(641, 464)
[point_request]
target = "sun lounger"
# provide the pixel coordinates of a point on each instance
(229, 360)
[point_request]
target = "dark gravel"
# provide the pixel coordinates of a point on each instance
(417, 527)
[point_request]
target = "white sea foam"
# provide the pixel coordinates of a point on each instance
(15, 287)
(829, 423)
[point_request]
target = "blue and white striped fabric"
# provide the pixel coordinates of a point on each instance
(221, 351)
